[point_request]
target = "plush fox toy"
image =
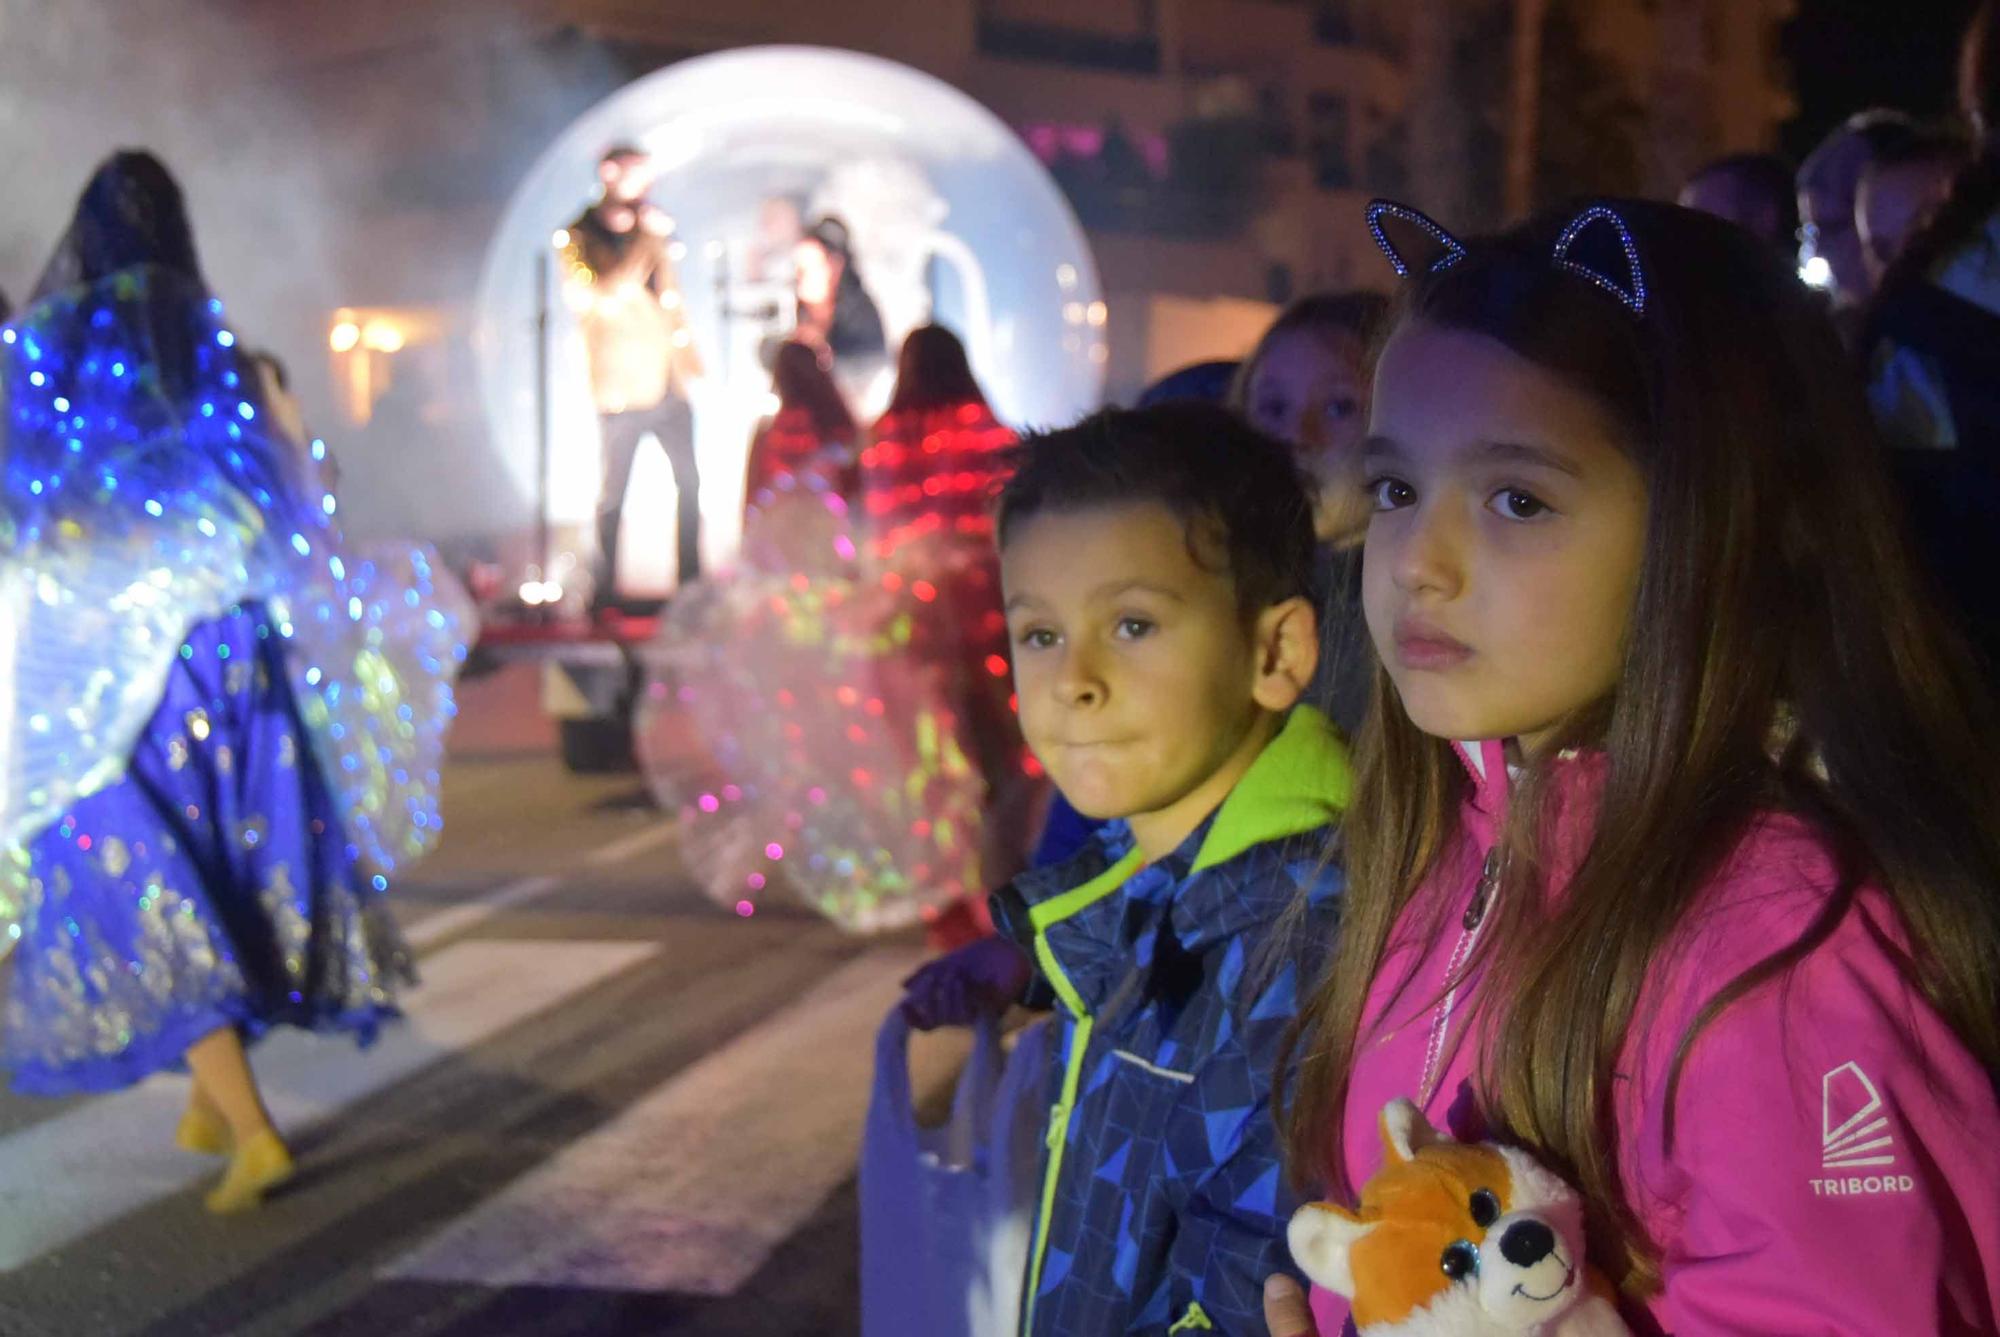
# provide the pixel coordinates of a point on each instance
(1456, 1240)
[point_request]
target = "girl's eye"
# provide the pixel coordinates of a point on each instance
(1036, 638)
(1343, 408)
(1134, 628)
(1391, 494)
(1515, 504)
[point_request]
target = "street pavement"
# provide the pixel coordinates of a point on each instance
(613, 1107)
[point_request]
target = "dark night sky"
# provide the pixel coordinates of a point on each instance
(1848, 55)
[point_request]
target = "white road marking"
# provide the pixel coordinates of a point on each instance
(64, 1177)
(692, 1187)
(625, 847)
(432, 929)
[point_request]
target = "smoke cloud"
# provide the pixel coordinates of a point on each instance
(332, 155)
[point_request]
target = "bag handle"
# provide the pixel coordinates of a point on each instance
(892, 1069)
(978, 1088)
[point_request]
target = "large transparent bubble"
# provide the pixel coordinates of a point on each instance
(951, 219)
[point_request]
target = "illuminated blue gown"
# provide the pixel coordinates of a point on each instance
(222, 724)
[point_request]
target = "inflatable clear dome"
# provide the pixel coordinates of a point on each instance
(947, 217)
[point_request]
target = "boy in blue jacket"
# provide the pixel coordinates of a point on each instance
(1155, 565)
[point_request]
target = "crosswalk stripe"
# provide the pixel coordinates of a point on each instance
(433, 929)
(429, 930)
(64, 1177)
(692, 1187)
(645, 838)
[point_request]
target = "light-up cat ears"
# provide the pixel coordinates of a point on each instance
(1584, 229)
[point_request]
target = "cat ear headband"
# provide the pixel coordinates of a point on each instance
(1595, 235)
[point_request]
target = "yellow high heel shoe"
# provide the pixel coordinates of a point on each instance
(261, 1163)
(202, 1132)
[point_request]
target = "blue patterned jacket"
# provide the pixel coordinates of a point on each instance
(1163, 1206)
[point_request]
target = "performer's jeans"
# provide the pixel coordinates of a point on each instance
(672, 423)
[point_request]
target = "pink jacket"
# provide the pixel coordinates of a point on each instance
(1823, 1177)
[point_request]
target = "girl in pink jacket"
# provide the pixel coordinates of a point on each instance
(1709, 919)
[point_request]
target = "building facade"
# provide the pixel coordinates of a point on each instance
(1218, 152)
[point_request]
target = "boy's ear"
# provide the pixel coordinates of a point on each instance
(1287, 647)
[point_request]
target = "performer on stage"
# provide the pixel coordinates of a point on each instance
(780, 229)
(619, 279)
(835, 310)
(220, 725)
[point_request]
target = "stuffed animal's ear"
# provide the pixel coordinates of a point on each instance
(1405, 1130)
(1322, 1238)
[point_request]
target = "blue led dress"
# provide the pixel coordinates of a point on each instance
(220, 725)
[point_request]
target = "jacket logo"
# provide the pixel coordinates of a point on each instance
(1855, 1132)
(1854, 1135)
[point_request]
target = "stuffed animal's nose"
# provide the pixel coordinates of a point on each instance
(1526, 1243)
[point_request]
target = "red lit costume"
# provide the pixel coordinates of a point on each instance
(831, 718)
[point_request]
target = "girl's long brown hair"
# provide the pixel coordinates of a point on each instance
(932, 372)
(1783, 654)
(800, 382)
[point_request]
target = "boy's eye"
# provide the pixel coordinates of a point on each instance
(1515, 504)
(1391, 494)
(1343, 408)
(1133, 628)
(1036, 638)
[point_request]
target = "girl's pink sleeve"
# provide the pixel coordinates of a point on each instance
(1329, 1312)
(1835, 1165)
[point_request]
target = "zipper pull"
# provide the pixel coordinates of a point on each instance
(1489, 877)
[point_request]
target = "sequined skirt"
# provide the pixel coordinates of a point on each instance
(212, 886)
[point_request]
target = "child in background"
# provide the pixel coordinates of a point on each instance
(1308, 384)
(1673, 857)
(1156, 565)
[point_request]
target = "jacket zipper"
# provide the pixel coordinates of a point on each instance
(1469, 924)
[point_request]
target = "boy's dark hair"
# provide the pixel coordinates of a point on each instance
(1231, 485)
